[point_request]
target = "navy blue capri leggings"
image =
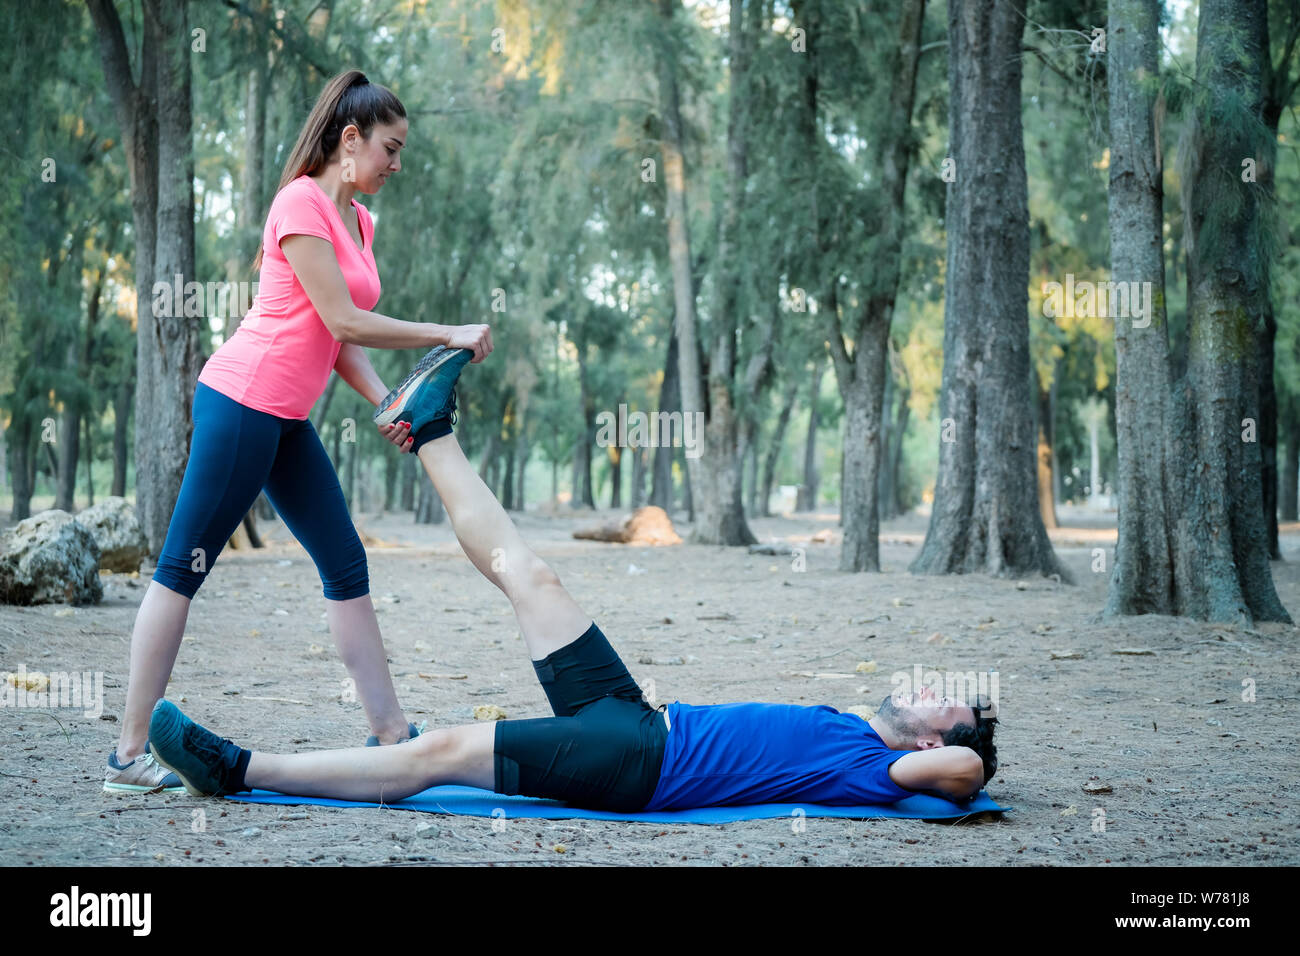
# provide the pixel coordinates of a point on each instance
(235, 453)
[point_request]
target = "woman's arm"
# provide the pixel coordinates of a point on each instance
(353, 366)
(316, 267)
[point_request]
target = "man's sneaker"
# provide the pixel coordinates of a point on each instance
(141, 775)
(428, 393)
(373, 741)
(387, 411)
(205, 763)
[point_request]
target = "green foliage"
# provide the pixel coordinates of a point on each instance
(532, 197)
(59, 229)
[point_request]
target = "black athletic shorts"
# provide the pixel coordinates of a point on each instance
(604, 747)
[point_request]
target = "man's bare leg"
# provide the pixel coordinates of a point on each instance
(548, 617)
(451, 755)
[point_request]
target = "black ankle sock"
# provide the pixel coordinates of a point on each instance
(429, 431)
(236, 780)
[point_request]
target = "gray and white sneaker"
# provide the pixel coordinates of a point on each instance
(144, 774)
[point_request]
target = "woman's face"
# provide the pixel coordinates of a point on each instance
(371, 160)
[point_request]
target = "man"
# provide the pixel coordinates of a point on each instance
(605, 748)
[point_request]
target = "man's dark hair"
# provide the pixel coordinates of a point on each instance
(978, 738)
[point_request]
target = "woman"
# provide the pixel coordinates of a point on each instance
(311, 315)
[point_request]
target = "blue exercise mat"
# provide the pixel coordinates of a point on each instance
(471, 801)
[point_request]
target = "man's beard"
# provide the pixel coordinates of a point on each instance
(905, 726)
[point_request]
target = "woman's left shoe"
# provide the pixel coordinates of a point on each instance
(141, 775)
(427, 393)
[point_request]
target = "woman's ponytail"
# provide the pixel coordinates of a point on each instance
(347, 98)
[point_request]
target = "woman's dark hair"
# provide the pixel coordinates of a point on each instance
(978, 738)
(347, 98)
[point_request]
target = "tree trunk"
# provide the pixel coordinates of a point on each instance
(252, 211)
(410, 474)
(20, 436)
(637, 493)
(1220, 545)
(392, 465)
(860, 369)
(751, 479)
(88, 361)
(747, 432)
(1290, 470)
(986, 516)
(69, 444)
(168, 366)
(1278, 91)
(487, 463)
(615, 476)
(122, 402)
(840, 522)
(522, 451)
(715, 475)
(807, 496)
(1046, 442)
(582, 492)
(688, 500)
(137, 116)
(862, 390)
(4, 447)
(890, 494)
(774, 452)
(76, 362)
(755, 382)
(155, 120)
(885, 479)
(51, 462)
(894, 464)
(90, 461)
(508, 479)
(896, 413)
(661, 486)
(575, 479)
(1268, 427)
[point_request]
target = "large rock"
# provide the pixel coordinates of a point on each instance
(50, 558)
(122, 544)
(646, 526)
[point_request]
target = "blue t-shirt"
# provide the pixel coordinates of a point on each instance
(723, 754)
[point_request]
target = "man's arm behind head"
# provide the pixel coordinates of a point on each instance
(954, 773)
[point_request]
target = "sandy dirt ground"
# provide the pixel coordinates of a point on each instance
(1194, 770)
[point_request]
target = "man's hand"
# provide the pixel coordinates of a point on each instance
(399, 434)
(476, 338)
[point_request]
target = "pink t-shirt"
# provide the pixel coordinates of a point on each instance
(280, 358)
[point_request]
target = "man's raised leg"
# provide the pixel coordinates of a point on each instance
(548, 616)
